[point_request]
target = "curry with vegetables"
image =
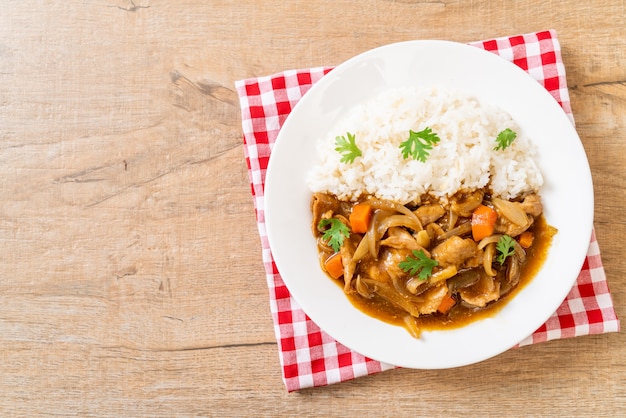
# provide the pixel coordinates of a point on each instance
(435, 264)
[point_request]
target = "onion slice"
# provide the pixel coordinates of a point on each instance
(464, 279)
(512, 211)
(462, 229)
(411, 326)
(388, 205)
(363, 289)
(443, 274)
(490, 239)
(490, 250)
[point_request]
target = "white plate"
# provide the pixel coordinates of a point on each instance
(567, 194)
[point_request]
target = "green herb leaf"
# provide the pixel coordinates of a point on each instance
(504, 139)
(419, 263)
(347, 148)
(335, 234)
(419, 144)
(506, 247)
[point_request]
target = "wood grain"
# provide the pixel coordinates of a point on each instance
(132, 280)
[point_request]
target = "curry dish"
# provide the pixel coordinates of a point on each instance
(432, 265)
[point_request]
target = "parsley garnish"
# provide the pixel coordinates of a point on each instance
(506, 247)
(418, 144)
(504, 139)
(335, 234)
(420, 263)
(347, 148)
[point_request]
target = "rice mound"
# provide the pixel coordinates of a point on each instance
(463, 159)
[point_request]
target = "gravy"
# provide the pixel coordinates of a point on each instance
(460, 315)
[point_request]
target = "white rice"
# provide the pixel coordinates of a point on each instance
(463, 159)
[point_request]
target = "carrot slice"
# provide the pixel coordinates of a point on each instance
(360, 218)
(526, 239)
(334, 266)
(483, 222)
(446, 304)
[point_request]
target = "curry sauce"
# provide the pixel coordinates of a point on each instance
(461, 315)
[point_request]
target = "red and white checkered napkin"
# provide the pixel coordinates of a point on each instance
(310, 357)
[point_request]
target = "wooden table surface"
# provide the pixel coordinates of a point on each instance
(131, 275)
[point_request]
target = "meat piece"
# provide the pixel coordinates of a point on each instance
(387, 262)
(347, 254)
(512, 219)
(375, 272)
(434, 231)
(504, 226)
(322, 203)
(532, 205)
(432, 299)
(480, 294)
(429, 213)
(455, 251)
(400, 238)
(465, 203)
(326, 206)
(390, 258)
